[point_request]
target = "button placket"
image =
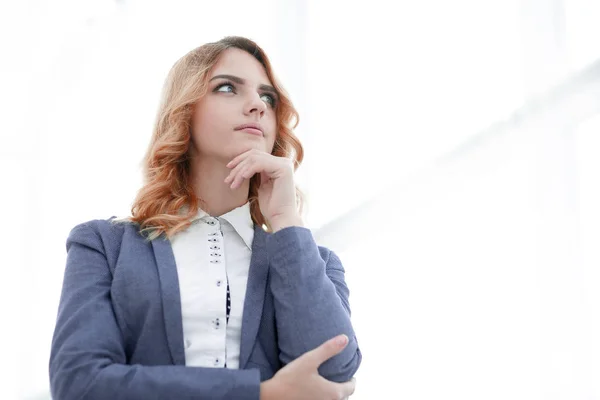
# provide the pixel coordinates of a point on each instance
(216, 257)
(214, 239)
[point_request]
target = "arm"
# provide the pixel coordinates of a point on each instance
(88, 360)
(311, 301)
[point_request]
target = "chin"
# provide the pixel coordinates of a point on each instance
(259, 145)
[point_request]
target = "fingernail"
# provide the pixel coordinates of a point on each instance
(342, 340)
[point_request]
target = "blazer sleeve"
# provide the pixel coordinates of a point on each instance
(88, 360)
(311, 301)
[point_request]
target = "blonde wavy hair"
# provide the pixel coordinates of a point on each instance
(167, 187)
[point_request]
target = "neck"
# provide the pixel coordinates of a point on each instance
(208, 176)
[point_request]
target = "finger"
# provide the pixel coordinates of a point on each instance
(238, 159)
(250, 168)
(327, 350)
(236, 170)
(346, 389)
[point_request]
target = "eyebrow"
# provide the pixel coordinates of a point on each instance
(236, 79)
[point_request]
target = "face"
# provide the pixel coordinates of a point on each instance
(239, 92)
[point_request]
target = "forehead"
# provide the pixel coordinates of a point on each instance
(241, 64)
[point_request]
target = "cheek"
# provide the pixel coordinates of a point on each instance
(208, 122)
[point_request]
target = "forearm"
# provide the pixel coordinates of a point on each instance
(286, 221)
(120, 381)
(311, 301)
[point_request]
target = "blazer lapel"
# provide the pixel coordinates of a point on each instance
(255, 294)
(171, 301)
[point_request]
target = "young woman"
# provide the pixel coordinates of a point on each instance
(213, 288)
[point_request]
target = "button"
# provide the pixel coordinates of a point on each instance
(215, 254)
(188, 343)
(215, 247)
(217, 361)
(219, 282)
(215, 261)
(213, 240)
(217, 323)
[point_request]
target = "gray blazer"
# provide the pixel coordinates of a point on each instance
(119, 334)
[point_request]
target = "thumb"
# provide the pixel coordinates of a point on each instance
(327, 350)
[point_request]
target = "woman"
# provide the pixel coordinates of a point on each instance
(213, 288)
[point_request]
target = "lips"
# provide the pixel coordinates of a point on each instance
(252, 131)
(252, 128)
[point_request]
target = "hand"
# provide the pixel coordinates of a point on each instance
(300, 379)
(277, 192)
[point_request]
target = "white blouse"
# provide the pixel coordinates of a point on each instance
(212, 255)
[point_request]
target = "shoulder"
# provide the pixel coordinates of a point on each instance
(107, 229)
(104, 235)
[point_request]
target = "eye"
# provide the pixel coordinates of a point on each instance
(271, 100)
(225, 85)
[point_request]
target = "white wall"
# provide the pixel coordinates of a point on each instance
(468, 281)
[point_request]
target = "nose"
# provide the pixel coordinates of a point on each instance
(255, 105)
